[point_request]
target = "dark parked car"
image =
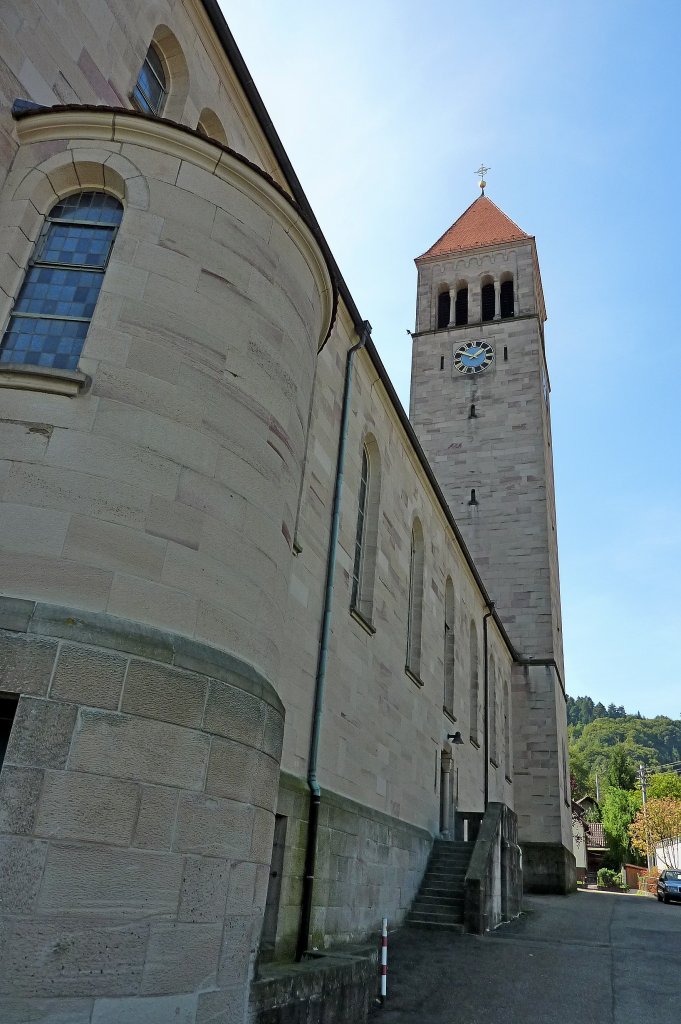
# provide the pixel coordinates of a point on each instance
(669, 886)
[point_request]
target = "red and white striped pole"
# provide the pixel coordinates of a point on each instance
(384, 959)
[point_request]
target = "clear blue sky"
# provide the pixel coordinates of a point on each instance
(386, 109)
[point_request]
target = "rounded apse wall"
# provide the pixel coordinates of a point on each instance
(167, 492)
(137, 800)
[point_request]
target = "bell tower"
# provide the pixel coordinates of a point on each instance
(480, 407)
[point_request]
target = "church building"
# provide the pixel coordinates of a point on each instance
(273, 654)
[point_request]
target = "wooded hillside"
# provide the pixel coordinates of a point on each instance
(596, 731)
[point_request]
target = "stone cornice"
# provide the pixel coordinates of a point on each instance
(98, 629)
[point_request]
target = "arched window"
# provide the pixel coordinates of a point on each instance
(449, 647)
(487, 301)
(54, 307)
(493, 716)
(507, 729)
(151, 87)
(415, 610)
(473, 689)
(210, 125)
(366, 534)
(506, 307)
(461, 307)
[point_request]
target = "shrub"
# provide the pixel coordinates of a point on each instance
(648, 882)
(607, 877)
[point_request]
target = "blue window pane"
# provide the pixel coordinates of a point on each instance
(39, 333)
(97, 207)
(76, 244)
(55, 291)
(38, 342)
(150, 89)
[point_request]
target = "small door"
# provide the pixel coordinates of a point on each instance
(269, 928)
(8, 707)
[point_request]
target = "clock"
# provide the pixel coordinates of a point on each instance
(473, 357)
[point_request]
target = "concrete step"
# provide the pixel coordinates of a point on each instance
(440, 894)
(423, 905)
(439, 903)
(437, 910)
(442, 859)
(426, 921)
(445, 877)
(448, 865)
(436, 926)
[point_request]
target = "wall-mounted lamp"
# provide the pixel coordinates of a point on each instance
(455, 737)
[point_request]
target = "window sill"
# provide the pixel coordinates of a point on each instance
(414, 678)
(474, 743)
(495, 764)
(448, 714)
(509, 779)
(364, 623)
(46, 379)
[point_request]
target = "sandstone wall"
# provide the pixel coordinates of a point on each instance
(91, 52)
(166, 492)
(168, 484)
(383, 731)
(137, 801)
(490, 433)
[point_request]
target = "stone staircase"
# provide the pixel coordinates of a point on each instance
(439, 902)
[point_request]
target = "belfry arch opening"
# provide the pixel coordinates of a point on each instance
(443, 307)
(461, 305)
(487, 299)
(506, 297)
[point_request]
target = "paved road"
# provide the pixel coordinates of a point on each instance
(591, 958)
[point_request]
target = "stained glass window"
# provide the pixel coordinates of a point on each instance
(54, 307)
(150, 89)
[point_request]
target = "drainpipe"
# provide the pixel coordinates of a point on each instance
(485, 662)
(322, 658)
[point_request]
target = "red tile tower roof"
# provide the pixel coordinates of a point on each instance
(482, 224)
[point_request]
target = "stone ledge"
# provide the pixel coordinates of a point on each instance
(338, 987)
(99, 629)
(47, 379)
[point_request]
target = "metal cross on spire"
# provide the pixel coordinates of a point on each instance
(482, 171)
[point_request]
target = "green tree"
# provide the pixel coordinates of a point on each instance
(652, 741)
(619, 809)
(579, 775)
(664, 785)
(621, 773)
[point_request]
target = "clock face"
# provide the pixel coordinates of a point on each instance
(473, 357)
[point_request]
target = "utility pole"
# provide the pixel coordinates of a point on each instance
(598, 790)
(644, 797)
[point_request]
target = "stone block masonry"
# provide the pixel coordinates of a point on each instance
(369, 866)
(137, 801)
